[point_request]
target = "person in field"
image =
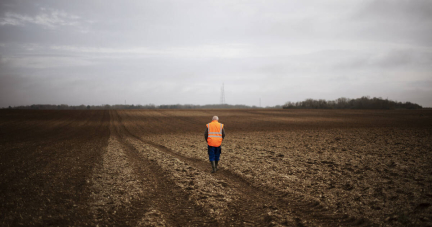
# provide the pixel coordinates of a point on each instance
(214, 135)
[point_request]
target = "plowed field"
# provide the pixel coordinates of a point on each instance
(277, 168)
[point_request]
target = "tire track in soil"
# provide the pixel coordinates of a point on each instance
(258, 206)
(131, 190)
(115, 187)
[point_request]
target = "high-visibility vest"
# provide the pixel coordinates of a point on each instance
(214, 133)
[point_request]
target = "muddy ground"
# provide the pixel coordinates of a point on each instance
(278, 168)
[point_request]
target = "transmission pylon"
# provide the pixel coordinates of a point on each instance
(222, 98)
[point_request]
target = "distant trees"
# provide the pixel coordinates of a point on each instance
(210, 106)
(148, 106)
(364, 102)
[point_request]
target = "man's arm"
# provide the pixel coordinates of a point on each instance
(206, 135)
(223, 133)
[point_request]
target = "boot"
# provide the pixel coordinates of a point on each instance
(213, 166)
(216, 162)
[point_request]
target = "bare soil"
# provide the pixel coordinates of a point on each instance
(277, 168)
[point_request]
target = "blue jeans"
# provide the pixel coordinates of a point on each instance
(214, 153)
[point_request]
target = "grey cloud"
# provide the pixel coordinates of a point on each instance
(395, 60)
(394, 21)
(104, 52)
(418, 11)
(402, 58)
(51, 19)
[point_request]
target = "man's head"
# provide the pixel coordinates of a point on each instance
(215, 118)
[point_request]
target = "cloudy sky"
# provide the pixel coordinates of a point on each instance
(169, 52)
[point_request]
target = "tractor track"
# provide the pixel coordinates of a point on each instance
(150, 200)
(257, 206)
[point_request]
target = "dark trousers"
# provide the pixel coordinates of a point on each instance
(214, 153)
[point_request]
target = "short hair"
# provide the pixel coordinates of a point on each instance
(215, 118)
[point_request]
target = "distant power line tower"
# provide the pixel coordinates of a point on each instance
(222, 98)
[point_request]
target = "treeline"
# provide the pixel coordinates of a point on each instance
(209, 106)
(148, 106)
(364, 102)
(82, 107)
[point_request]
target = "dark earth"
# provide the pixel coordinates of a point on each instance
(277, 168)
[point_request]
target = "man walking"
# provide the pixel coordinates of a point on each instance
(214, 135)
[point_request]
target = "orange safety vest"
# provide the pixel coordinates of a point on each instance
(214, 133)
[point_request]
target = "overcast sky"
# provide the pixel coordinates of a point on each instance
(169, 52)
